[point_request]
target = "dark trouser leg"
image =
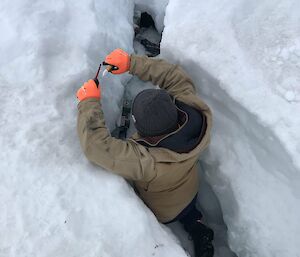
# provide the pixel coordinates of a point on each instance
(202, 235)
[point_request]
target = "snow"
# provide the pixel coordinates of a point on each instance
(244, 58)
(53, 201)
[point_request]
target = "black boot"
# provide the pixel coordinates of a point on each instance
(201, 235)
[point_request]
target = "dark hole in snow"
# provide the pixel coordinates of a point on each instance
(146, 33)
(146, 20)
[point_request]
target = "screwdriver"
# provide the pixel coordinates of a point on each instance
(97, 74)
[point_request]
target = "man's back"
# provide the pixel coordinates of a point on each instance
(166, 180)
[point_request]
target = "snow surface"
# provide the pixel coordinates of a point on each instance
(53, 201)
(244, 58)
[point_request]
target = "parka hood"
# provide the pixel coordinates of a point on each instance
(192, 125)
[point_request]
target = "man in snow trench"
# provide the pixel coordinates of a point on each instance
(173, 127)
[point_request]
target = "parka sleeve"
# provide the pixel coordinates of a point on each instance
(125, 158)
(167, 76)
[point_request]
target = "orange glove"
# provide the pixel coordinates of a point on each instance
(89, 90)
(119, 59)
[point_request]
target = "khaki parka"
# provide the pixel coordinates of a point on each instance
(166, 181)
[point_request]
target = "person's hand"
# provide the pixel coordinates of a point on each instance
(89, 90)
(119, 60)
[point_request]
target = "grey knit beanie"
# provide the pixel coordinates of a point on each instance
(154, 113)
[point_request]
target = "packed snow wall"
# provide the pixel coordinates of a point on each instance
(244, 59)
(53, 201)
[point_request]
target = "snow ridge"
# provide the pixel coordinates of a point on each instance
(252, 163)
(53, 201)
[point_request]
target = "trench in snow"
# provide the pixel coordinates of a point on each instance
(254, 151)
(146, 42)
